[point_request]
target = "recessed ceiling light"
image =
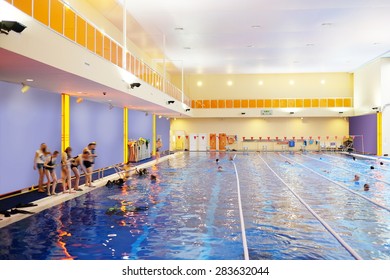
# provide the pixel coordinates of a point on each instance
(79, 92)
(327, 24)
(109, 100)
(29, 80)
(199, 83)
(250, 46)
(255, 26)
(187, 48)
(229, 83)
(310, 45)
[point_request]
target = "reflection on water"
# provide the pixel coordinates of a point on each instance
(191, 212)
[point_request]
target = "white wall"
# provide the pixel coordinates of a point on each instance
(255, 127)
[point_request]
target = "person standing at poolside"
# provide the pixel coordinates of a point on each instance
(39, 161)
(75, 163)
(158, 147)
(65, 170)
(92, 147)
(50, 172)
(87, 163)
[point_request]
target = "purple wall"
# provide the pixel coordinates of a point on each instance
(26, 120)
(92, 121)
(140, 125)
(162, 129)
(367, 126)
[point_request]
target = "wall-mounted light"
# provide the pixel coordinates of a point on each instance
(79, 100)
(24, 88)
(133, 85)
(341, 112)
(187, 110)
(292, 113)
(7, 26)
(159, 116)
(171, 101)
(243, 113)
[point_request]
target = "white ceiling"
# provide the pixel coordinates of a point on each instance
(257, 36)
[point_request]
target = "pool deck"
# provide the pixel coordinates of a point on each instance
(50, 201)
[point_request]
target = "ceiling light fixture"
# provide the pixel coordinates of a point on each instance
(24, 88)
(255, 26)
(79, 100)
(29, 80)
(188, 109)
(171, 101)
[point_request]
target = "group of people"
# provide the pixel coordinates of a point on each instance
(366, 186)
(45, 162)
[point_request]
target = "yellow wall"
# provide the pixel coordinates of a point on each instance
(264, 127)
(268, 86)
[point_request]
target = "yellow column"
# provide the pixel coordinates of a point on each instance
(154, 136)
(65, 121)
(125, 134)
(379, 133)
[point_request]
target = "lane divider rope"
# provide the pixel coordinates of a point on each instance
(325, 224)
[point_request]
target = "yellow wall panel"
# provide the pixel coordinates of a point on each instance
(24, 6)
(214, 104)
(128, 57)
(275, 103)
(339, 102)
(298, 103)
(260, 103)
(206, 104)
(290, 103)
(70, 24)
(307, 103)
(99, 43)
(81, 31)
(244, 103)
(221, 103)
(90, 37)
(192, 103)
(41, 11)
(252, 103)
(347, 102)
(323, 102)
(283, 103)
(56, 15)
(229, 103)
(107, 48)
(114, 49)
(315, 103)
(9, 1)
(267, 103)
(331, 102)
(237, 103)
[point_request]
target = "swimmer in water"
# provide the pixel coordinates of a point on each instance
(356, 178)
(220, 169)
(366, 187)
(217, 160)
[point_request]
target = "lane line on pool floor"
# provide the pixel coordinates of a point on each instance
(340, 185)
(244, 241)
(322, 221)
(348, 170)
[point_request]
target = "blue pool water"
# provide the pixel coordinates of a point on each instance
(192, 212)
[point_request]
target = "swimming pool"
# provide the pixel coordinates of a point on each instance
(192, 212)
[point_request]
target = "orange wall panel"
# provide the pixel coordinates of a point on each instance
(237, 103)
(214, 104)
(260, 103)
(56, 15)
(70, 24)
(267, 103)
(120, 57)
(90, 37)
(323, 102)
(99, 43)
(283, 103)
(206, 104)
(291, 103)
(339, 102)
(221, 104)
(298, 103)
(24, 5)
(347, 102)
(244, 103)
(331, 102)
(252, 103)
(114, 49)
(307, 103)
(41, 11)
(315, 103)
(229, 103)
(81, 31)
(275, 103)
(192, 103)
(107, 48)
